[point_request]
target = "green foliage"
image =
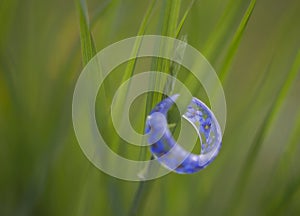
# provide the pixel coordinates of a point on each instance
(254, 47)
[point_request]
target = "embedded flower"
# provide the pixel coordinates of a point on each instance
(193, 114)
(205, 127)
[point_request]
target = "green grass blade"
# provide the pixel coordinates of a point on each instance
(236, 41)
(140, 198)
(182, 21)
(262, 133)
(175, 67)
(131, 64)
(219, 36)
(169, 29)
(173, 17)
(129, 71)
(87, 45)
(170, 24)
(233, 46)
(88, 51)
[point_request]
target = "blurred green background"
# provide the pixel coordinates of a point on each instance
(43, 170)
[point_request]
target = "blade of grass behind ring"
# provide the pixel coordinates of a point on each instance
(260, 136)
(235, 42)
(169, 87)
(169, 29)
(174, 66)
(182, 21)
(127, 74)
(233, 48)
(179, 51)
(218, 38)
(88, 51)
(129, 71)
(87, 44)
(170, 23)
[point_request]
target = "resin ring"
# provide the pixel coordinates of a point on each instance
(168, 152)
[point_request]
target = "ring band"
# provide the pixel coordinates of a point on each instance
(168, 152)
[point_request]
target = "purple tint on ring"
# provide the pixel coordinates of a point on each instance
(208, 127)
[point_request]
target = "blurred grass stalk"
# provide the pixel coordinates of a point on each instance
(258, 140)
(217, 39)
(235, 42)
(88, 51)
(170, 28)
(286, 194)
(129, 72)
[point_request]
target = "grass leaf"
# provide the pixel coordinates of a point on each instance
(87, 44)
(263, 132)
(236, 41)
(129, 71)
(182, 21)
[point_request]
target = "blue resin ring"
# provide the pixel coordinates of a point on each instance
(168, 152)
